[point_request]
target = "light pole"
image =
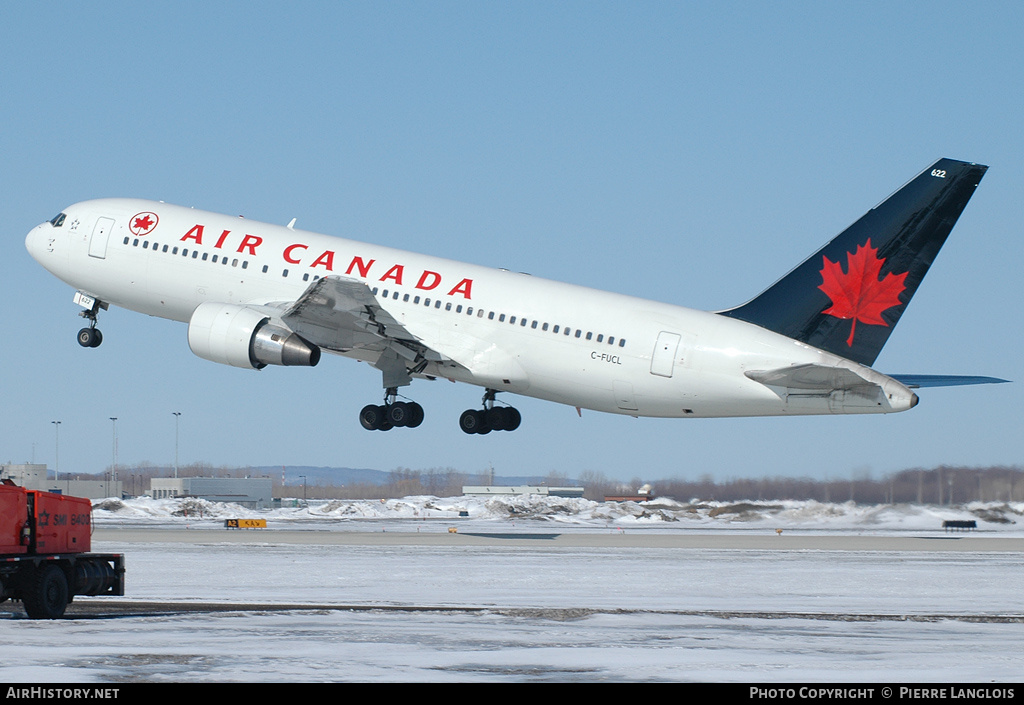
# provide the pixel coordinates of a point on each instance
(113, 452)
(177, 417)
(56, 461)
(303, 487)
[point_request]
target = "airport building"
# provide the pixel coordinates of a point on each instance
(34, 476)
(523, 489)
(252, 492)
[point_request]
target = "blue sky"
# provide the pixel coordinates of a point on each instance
(686, 152)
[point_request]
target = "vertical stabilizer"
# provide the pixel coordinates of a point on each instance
(848, 296)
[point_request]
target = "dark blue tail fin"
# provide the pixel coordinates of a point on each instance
(848, 296)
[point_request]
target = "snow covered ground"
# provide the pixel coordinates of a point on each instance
(568, 514)
(504, 613)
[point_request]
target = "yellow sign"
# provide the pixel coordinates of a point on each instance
(245, 523)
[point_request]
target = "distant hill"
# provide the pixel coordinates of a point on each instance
(352, 476)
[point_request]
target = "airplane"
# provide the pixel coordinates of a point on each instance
(256, 294)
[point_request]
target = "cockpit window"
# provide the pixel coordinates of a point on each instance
(58, 220)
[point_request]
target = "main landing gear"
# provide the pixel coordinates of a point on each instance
(391, 413)
(89, 337)
(490, 418)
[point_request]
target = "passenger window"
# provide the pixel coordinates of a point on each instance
(214, 258)
(305, 277)
(284, 273)
(447, 306)
(265, 268)
(622, 342)
(578, 332)
(501, 318)
(555, 329)
(206, 256)
(458, 309)
(589, 335)
(512, 320)
(126, 241)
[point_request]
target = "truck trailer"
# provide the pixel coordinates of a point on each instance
(45, 539)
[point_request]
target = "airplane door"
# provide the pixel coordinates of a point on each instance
(100, 235)
(664, 357)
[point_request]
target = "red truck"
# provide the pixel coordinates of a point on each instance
(45, 539)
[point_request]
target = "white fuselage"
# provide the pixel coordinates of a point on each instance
(510, 332)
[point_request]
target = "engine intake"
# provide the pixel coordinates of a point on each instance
(244, 337)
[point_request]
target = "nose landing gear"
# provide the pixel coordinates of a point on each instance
(90, 337)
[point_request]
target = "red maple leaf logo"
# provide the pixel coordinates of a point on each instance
(142, 224)
(858, 293)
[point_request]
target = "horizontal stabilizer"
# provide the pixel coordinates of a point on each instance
(917, 381)
(812, 378)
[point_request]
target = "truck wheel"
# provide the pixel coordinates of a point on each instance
(47, 597)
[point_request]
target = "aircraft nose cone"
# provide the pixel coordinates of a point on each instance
(35, 241)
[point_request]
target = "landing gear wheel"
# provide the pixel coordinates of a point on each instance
(497, 418)
(90, 338)
(473, 421)
(415, 415)
(399, 414)
(512, 418)
(371, 417)
(47, 597)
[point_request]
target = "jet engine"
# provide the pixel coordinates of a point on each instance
(244, 337)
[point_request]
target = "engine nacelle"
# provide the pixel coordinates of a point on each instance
(243, 337)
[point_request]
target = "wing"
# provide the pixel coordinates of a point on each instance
(343, 315)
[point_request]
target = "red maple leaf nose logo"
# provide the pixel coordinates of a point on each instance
(143, 223)
(858, 293)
